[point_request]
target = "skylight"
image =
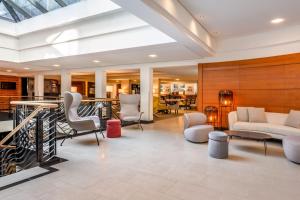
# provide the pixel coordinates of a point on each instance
(18, 10)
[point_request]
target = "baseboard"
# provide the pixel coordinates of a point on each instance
(147, 121)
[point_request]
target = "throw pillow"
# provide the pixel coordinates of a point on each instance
(242, 114)
(257, 115)
(293, 119)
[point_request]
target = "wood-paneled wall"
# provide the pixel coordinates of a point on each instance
(272, 83)
(5, 100)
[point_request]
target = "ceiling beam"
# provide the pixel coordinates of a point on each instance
(11, 11)
(38, 6)
(61, 3)
(173, 19)
(18, 9)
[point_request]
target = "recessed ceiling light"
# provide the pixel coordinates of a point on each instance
(56, 65)
(277, 20)
(27, 68)
(152, 55)
(96, 61)
(177, 79)
(8, 70)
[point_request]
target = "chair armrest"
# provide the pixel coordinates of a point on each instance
(141, 113)
(232, 119)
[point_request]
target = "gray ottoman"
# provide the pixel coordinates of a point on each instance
(198, 133)
(218, 144)
(291, 147)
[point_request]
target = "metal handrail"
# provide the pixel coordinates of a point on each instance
(40, 107)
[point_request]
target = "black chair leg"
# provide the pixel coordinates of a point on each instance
(141, 125)
(97, 138)
(62, 141)
(102, 134)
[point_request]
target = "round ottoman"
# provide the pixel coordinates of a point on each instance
(198, 133)
(113, 128)
(218, 144)
(291, 148)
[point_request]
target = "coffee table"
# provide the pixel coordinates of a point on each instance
(248, 135)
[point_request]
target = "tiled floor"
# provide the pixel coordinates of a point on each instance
(159, 164)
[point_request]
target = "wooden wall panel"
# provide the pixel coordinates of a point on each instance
(272, 83)
(257, 78)
(4, 100)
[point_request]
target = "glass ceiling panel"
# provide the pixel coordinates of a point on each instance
(28, 7)
(4, 13)
(49, 5)
(18, 10)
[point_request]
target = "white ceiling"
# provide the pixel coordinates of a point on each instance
(165, 52)
(184, 73)
(232, 18)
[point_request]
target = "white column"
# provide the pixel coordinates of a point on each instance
(65, 81)
(38, 85)
(146, 80)
(100, 83)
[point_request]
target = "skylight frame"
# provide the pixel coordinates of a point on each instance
(19, 10)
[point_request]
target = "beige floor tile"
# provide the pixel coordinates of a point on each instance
(159, 164)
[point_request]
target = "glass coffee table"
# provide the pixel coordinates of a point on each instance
(248, 135)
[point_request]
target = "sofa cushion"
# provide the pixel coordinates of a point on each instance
(276, 118)
(242, 114)
(293, 119)
(257, 115)
(266, 128)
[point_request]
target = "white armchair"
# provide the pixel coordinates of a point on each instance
(130, 108)
(77, 123)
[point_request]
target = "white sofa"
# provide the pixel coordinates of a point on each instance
(274, 126)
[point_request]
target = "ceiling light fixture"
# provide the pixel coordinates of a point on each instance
(8, 70)
(177, 79)
(27, 68)
(56, 65)
(96, 61)
(152, 55)
(277, 20)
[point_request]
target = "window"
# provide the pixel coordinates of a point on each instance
(18, 10)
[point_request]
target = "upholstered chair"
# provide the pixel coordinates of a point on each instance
(174, 106)
(77, 123)
(130, 112)
(195, 127)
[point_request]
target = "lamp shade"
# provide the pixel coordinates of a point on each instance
(226, 97)
(211, 113)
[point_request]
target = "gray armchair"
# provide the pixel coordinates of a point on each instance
(130, 108)
(196, 128)
(77, 123)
